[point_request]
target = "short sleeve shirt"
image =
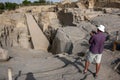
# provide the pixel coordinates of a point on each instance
(97, 43)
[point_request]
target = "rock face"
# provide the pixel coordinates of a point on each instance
(14, 32)
(111, 22)
(49, 22)
(87, 26)
(23, 35)
(91, 4)
(69, 40)
(81, 5)
(3, 55)
(48, 19)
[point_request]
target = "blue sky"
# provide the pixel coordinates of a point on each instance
(18, 1)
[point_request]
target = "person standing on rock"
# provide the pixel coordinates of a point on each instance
(96, 48)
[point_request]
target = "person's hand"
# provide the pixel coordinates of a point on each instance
(91, 34)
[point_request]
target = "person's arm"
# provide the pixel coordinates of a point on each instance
(91, 39)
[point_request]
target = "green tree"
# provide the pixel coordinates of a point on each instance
(36, 2)
(2, 6)
(26, 2)
(42, 1)
(10, 6)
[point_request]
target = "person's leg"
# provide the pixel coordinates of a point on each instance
(98, 63)
(89, 57)
(97, 68)
(114, 46)
(87, 63)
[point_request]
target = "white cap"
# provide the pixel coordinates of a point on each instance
(101, 28)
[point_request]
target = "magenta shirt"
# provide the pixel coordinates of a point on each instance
(97, 43)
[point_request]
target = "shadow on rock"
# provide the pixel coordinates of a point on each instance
(67, 62)
(84, 77)
(19, 74)
(30, 76)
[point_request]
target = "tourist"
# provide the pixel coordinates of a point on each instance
(96, 48)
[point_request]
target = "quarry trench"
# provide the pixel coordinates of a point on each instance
(28, 40)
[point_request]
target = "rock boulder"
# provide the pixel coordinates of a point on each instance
(111, 22)
(69, 40)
